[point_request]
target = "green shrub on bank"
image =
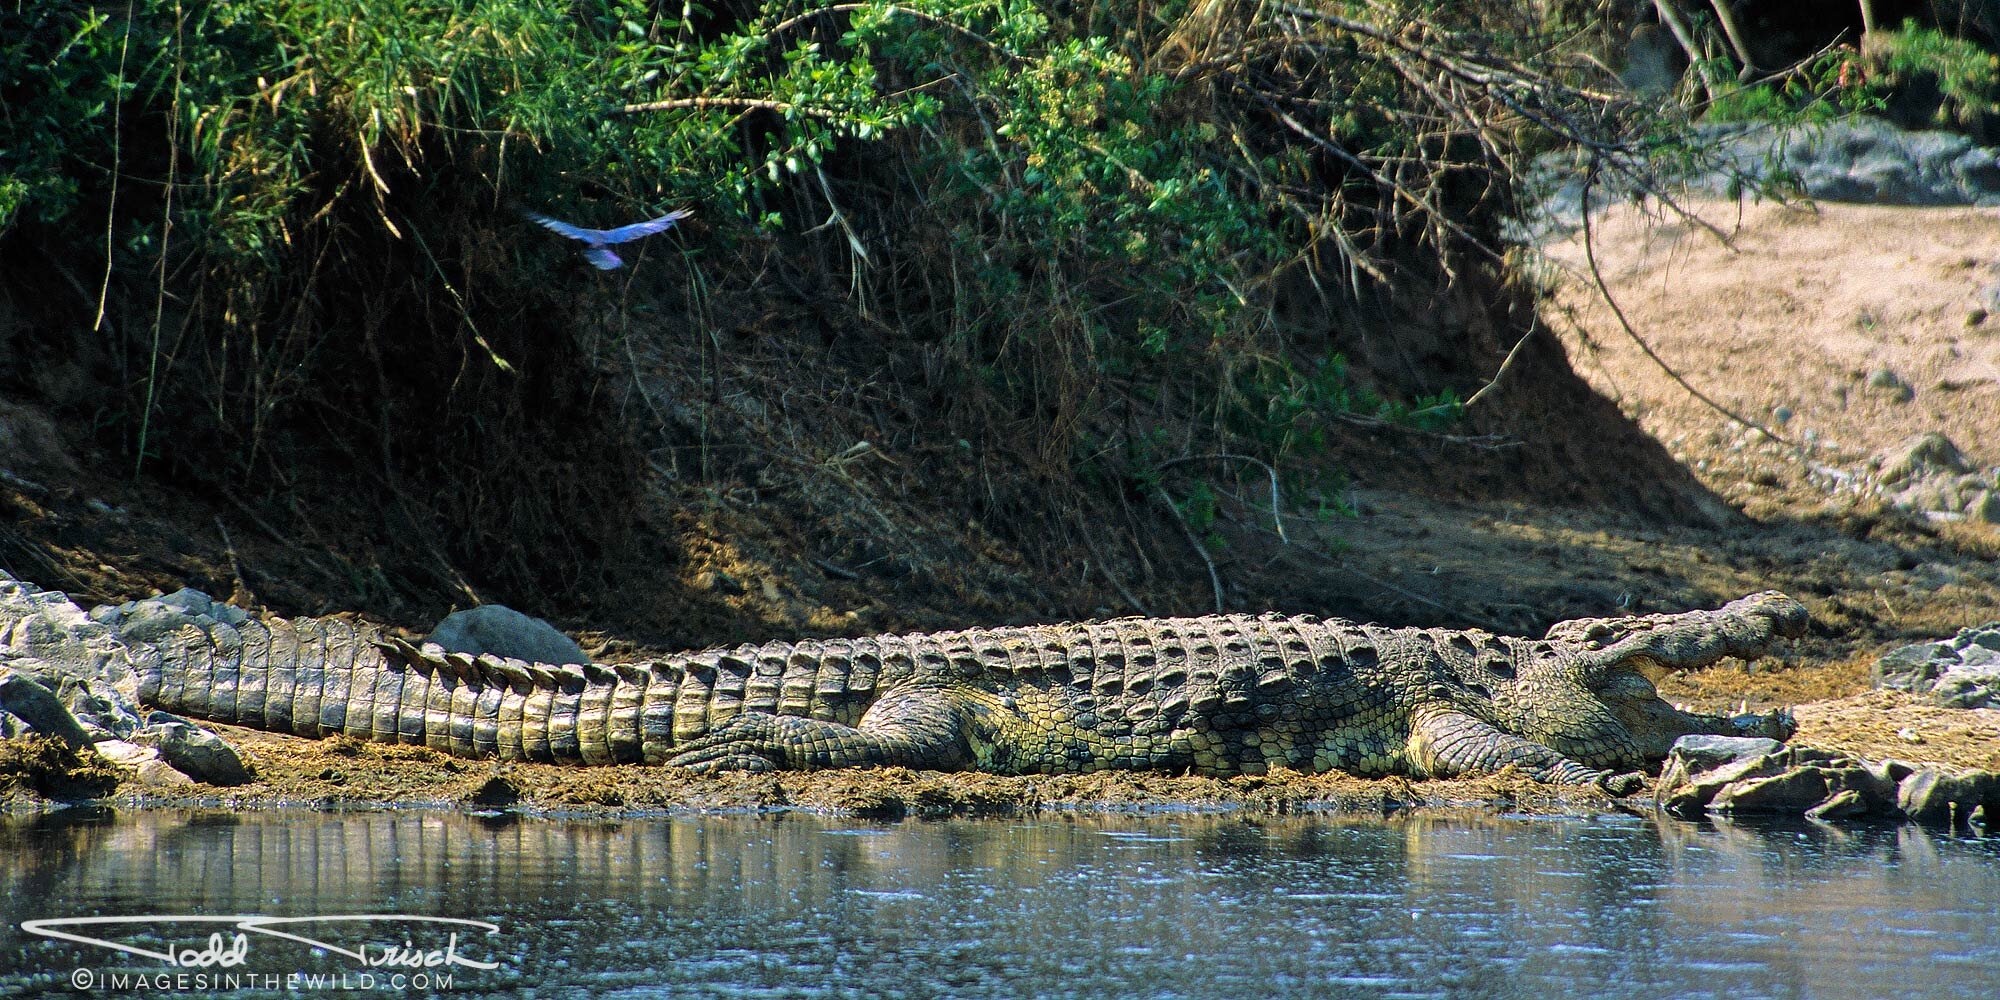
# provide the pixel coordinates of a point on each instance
(1089, 210)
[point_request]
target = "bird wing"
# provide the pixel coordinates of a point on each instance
(601, 257)
(637, 229)
(595, 236)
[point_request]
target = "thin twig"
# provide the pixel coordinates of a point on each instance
(278, 536)
(936, 21)
(1596, 275)
(1214, 578)
(835, 569)
(1104, 567)
(235, 568)
(1459, 613)
(117, 151)
(733, 104)
(1277, 517)
(1506, 364)
(1484, 442)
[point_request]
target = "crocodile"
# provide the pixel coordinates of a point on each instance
(1218, 695)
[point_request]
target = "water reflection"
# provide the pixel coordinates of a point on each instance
(1087, 906)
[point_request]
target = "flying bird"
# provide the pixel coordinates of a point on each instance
(598, 242)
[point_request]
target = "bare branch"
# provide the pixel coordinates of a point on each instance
(1590, 254)
(1214, 578)
(1277, 518)
(732, 104)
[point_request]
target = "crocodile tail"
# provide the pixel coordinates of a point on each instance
(321, 677)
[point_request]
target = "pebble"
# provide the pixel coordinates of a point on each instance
(1890, 386)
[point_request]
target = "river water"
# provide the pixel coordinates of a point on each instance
(1084, 906)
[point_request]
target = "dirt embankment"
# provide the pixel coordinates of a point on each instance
(1540, 510)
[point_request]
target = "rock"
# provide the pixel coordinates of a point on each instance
(193, 751)
(196, 603)
(1921, 455)
(1890, 770)
(126, 754)
(1790, 792)
(1888, 385)
(1912, 668)
(1700, 767)
(1961, 673)
(1865, 160)
(1723, 775)
(1703, 753)
(30, 440)
(1986, 637)
(1844, 804)
(1963, 690)
(503, 631)
(160, 774)
(40, 709)
(1985, 507)
(1938, 798)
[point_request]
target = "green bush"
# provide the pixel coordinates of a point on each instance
(1087, 207)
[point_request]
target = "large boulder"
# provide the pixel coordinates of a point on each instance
(503, 631)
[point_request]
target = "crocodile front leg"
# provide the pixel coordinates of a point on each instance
(921, 727)
(1446, 744)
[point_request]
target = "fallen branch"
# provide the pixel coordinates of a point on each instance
(1604, 290)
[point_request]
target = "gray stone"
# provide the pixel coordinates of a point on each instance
(126, 754)
(1963, 672)
(1889, 385)
(1848, 803)
(1960, 690)
(151, 621)
(1938, 798)
(1986, 636)
(1698, 768)
(1790, 792)
(196, 603)
(503, 631)
(193, 751)
(1976, 655)
(39, 707)
(1921, 455)
(160, 774)
(1913, 668)
(1700, 754)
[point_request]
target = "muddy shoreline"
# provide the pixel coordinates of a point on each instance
(342, 773)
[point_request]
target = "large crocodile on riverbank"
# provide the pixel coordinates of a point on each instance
(1217, 695)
